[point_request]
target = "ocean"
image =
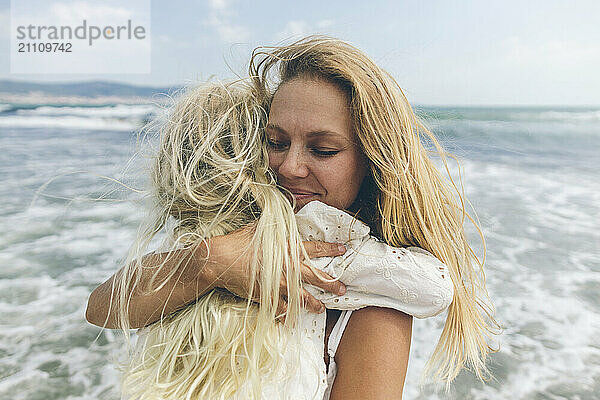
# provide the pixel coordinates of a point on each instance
(531, 174)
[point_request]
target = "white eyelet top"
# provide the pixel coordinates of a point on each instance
(410, 280)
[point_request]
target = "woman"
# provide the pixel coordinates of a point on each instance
(387, 180)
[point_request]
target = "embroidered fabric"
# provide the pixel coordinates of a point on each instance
(409, 279)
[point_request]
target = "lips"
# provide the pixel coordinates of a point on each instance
(301, 192)
(302, 196)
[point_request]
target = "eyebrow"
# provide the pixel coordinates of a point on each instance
(310, 134)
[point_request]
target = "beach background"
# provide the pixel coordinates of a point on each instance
(532, 175)
(73, 162)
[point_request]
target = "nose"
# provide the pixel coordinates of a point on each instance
(293, 164)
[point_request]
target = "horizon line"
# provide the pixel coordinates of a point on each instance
(182, 85)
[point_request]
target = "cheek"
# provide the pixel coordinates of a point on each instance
(355, 173)
(342, 179)
(274, 160)
(352, 168)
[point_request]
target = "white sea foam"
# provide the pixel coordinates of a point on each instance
(116, 111)
(121, 117)
(563, 116)
(69, 122)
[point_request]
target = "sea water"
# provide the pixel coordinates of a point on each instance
(532, 176)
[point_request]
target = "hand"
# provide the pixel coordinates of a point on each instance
(229, 263)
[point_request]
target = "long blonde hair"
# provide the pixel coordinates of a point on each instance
(405, 199)
(211, 177)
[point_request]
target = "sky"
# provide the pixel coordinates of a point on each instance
(469, 52)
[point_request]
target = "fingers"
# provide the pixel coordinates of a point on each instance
(312, 304)
(324, 249)
(317, 278)
(309, 302)
(281, 312)
(320, 279)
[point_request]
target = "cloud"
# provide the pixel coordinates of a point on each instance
(294, 29)
(220, 19)
(61, 13)
(552, 53)
(163, 39)
(74, 12)
(4, 22)
(218, 4)
(4, 38)
(325, 23)
(170, 42)
(297, 29)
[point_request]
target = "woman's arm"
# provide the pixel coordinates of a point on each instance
(226, 265)
(193, 280)
(372, 357)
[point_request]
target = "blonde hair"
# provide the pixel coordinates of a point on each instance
(413, 203)
(211, 177)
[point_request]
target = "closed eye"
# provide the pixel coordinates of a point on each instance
(275, 145)
(324, 153)
(317, 151)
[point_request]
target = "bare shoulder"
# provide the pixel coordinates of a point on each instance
(372, 357)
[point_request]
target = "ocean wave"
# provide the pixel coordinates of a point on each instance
(113, 111)
(119, 117)
(509, 114)
(71, 122)
(567, 116)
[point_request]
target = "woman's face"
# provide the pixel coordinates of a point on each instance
(312, 147)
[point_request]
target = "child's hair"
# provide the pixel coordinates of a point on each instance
(211, 177)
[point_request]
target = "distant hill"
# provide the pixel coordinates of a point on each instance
(89, 89)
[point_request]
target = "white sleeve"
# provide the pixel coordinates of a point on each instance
(410, 280)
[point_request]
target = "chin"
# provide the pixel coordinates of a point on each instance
(302, 202)
(299, 205)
